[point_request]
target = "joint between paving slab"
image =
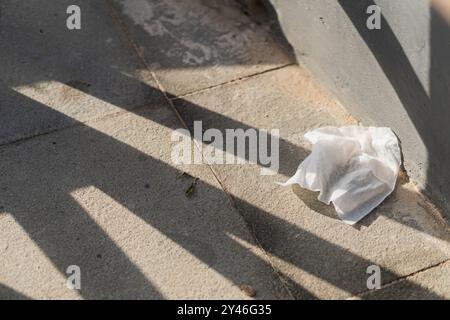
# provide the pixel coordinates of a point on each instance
(231, 82)
(400, 279)
(432, 209)
(135, 49)
(71, 126)
(224, 189)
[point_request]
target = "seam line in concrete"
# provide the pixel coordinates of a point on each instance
(432, 209)
(144, 64)
(231, 82)
(135, 49)
(400, 279)
(71, 126)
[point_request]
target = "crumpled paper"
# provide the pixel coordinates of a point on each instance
(353, 167)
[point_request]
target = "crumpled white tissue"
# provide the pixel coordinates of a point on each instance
(353, 167)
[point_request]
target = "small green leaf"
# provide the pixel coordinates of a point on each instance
(190, 190)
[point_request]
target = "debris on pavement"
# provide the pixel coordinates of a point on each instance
(190, 190)
(353, 167)
(248, 290)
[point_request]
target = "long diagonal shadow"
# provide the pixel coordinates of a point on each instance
(7, 293)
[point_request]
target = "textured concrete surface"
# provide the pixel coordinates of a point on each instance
(320, 256)
(86, 176)
(105, 197)
(196, 44)
(84, 182)
(66, 71)
(398, 76)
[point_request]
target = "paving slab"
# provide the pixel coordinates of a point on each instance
(320, 256)
(104, 196)
(81, 74)
(193, 45)
(86, 176)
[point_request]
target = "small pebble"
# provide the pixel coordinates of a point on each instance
(247, 290)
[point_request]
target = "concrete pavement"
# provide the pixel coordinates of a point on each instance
(86, 176)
